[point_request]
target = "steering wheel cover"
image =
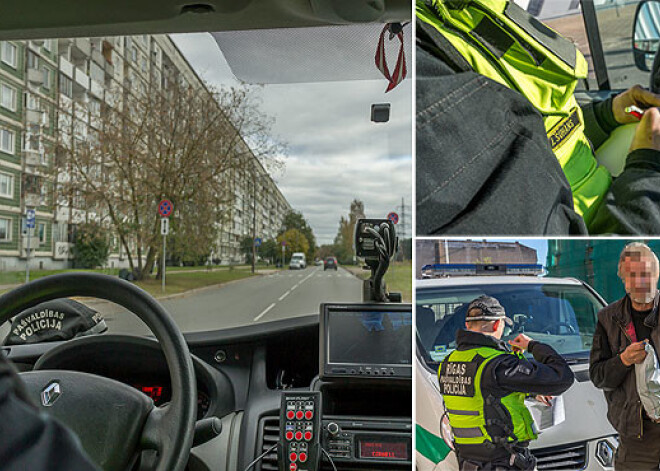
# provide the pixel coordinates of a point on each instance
(168, 429)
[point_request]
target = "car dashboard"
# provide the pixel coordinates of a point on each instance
(241, 375)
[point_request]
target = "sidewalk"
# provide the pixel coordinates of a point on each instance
(263, 271)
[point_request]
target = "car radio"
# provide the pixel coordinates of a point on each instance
(369, 441)
(366, 341)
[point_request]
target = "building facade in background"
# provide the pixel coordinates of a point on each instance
(593, 261)
(52, 90)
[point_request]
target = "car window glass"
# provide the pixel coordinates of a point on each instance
(565, 17)
(561, 315)
(615, 23)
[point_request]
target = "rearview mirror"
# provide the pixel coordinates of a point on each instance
(646, 34)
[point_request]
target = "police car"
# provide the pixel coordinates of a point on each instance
(574, 433)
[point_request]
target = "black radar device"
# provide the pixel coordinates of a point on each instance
(299, 448)
(366, 341)
(376, 243)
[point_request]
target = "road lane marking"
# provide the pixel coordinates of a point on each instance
(264, 312)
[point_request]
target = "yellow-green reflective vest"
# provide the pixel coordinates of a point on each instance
(503, 42)
(460, 376)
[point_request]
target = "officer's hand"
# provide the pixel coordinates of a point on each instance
(647, 135)
(545, 400)
(637, 96)
(520, 343)
(633, 354)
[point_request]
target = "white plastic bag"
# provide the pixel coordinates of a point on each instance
(647, 375)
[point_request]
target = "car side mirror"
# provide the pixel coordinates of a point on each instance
(646, 33)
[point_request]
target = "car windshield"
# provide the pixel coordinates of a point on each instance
(563, 316)
(615, 23)
(221, 153)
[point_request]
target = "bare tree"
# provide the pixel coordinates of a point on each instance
(182, 142)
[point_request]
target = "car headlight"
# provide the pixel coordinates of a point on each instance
(605, 451)
(445, 431)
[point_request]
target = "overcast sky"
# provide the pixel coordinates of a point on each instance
(335, 153)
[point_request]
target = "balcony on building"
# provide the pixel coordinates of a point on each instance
(81, 50)
(32, 200)
(81, 81)
(66, 67)
(35, 77)
(34, 117)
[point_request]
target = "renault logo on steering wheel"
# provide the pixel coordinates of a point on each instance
(51, 393)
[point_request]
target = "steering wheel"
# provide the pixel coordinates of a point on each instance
(568, 325)
(113, 420)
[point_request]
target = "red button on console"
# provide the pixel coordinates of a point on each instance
(303, 457)
(293, 456)
(299, 436)
(290, 415)
(289, 435)
(299, 415)
(309, 414)
(308, 436)
(293, 466)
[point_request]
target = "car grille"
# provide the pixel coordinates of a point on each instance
(560, 458)
(269, 436)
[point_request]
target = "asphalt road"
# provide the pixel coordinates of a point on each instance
(259, 299)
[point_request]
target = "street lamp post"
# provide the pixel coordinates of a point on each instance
(254, 223)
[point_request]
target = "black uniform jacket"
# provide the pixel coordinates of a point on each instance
(547, 374)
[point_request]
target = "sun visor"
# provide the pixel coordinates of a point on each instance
(319, 54)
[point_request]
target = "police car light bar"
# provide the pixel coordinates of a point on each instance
(440, 270)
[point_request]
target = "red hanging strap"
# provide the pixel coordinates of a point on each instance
(400, 70)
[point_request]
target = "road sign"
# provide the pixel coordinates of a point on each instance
(165, 208)
(257, 242)
(393, 217)
(164, 226)
(30, 216)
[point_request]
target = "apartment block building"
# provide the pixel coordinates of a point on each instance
(52, 91)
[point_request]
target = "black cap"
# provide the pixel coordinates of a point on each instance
(491, 310)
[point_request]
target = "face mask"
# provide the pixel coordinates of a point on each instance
(643, 298)
(507, 331)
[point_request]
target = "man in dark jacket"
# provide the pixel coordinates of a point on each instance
(484, 386)
(618, 345)
(30, 440)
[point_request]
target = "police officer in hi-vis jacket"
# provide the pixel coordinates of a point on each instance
(484, 385)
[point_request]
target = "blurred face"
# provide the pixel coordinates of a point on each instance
(640, 276)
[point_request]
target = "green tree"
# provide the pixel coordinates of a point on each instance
(344, 238)
(295, 220)
(246, 249)
(295, 242)
(91, 246)
(270, 250)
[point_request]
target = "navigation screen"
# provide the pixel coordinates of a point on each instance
(369, 337)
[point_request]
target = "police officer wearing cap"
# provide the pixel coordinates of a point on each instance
(484, 385)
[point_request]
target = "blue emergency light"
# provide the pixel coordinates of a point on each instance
(440, 270)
